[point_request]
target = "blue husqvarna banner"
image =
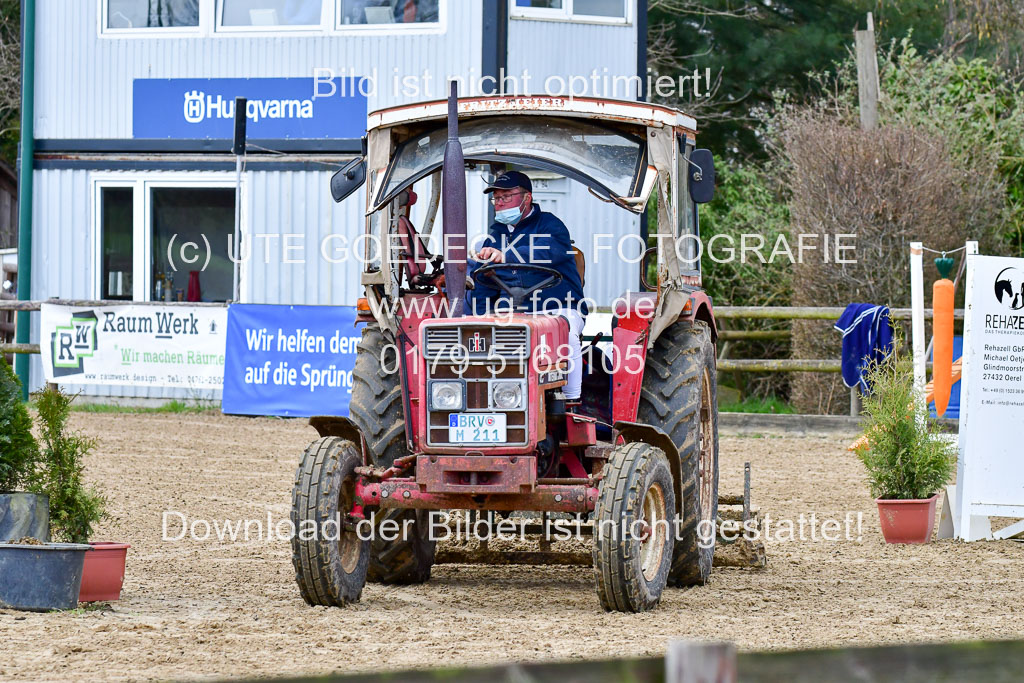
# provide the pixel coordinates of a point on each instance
(292, 361)
(277, 108)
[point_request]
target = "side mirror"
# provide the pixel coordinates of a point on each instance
(701, 170)
(349, 179)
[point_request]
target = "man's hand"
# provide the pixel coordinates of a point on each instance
(490, 255)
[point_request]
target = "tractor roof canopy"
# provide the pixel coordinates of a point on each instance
(600, 143)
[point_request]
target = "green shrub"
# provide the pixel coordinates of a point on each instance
(19, 452)
(73, 507)
(904, 460)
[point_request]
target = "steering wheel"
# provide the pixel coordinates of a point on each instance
(489, 276)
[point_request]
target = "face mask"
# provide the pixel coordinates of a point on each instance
(510, 216)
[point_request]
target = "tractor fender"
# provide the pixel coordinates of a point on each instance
(633, 432)
(700, 309)
(330, 425)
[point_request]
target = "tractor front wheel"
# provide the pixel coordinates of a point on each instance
(329, 558)
(634, 528)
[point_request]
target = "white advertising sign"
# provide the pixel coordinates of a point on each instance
(990, 473)
(137, 345)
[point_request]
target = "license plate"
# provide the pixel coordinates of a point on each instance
(476, 428)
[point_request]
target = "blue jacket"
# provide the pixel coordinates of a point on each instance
(867, 338)
(539, 239)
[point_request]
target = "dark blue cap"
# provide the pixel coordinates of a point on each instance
(510, 180)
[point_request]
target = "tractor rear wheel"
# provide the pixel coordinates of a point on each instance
(633, 535)
(329, 558)
(408, 558)
(376, 408)
(376, 403)
(680, 395)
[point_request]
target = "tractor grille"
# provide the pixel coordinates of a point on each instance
(442, 341)
(470, 353)
(458, 342)
(510, 342)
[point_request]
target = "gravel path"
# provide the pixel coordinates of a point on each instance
(194, 609)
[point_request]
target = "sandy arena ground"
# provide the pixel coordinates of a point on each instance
(209, 609)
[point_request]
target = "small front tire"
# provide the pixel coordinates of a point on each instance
(634, 529)
(329, 558)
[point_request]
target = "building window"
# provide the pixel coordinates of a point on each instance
(200, 216)
(603, 11)
(275, 14)
(116, 227)
(160, 238)
(127, 15)
(377, 12)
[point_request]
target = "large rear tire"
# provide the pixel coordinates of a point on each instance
(376, 403)
(330, 563)
(376, 408)
(408, 558)
(680, 395)
(633, 537)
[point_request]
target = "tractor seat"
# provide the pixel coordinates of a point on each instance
(413, 248)
(581, 264)
(640, 304)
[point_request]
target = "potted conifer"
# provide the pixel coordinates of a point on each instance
(907, 463)
(74, 508)
(22, 513)
(34, 574)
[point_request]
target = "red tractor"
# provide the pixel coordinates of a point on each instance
(464, 412)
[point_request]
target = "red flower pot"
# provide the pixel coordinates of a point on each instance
(907, 521)
(103, 573)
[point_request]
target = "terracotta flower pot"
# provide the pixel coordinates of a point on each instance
(103, 573)
(907, 521)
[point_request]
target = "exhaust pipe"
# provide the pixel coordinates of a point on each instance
(453, 189)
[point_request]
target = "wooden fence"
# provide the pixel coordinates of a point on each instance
(727, 337)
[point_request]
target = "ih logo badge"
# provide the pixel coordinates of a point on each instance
(71, 343)
(477, 344)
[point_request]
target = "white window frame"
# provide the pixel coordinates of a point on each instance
(142, 185)
(416, 28)
(566, 14)
(210, 16)
(156, 31)
(326, 17)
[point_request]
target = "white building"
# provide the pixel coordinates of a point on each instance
(132, 125)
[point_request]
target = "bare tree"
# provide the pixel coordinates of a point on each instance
(997, 22)
(10, 66)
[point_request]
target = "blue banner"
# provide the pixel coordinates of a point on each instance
(291, 361)
(277, 108)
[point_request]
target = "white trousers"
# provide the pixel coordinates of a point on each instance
(574, 382)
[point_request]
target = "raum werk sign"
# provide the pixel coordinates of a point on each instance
(134, 345)
(990, 475)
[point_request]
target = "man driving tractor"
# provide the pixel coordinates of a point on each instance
(524, 234)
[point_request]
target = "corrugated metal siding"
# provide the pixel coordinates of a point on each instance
(558, 48)
(84, 82)
(277, 203)
(542, 48)
(282, 202)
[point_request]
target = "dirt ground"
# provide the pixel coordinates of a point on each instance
(194, 609)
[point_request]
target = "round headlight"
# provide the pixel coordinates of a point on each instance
(447, 396)
(508, 395)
